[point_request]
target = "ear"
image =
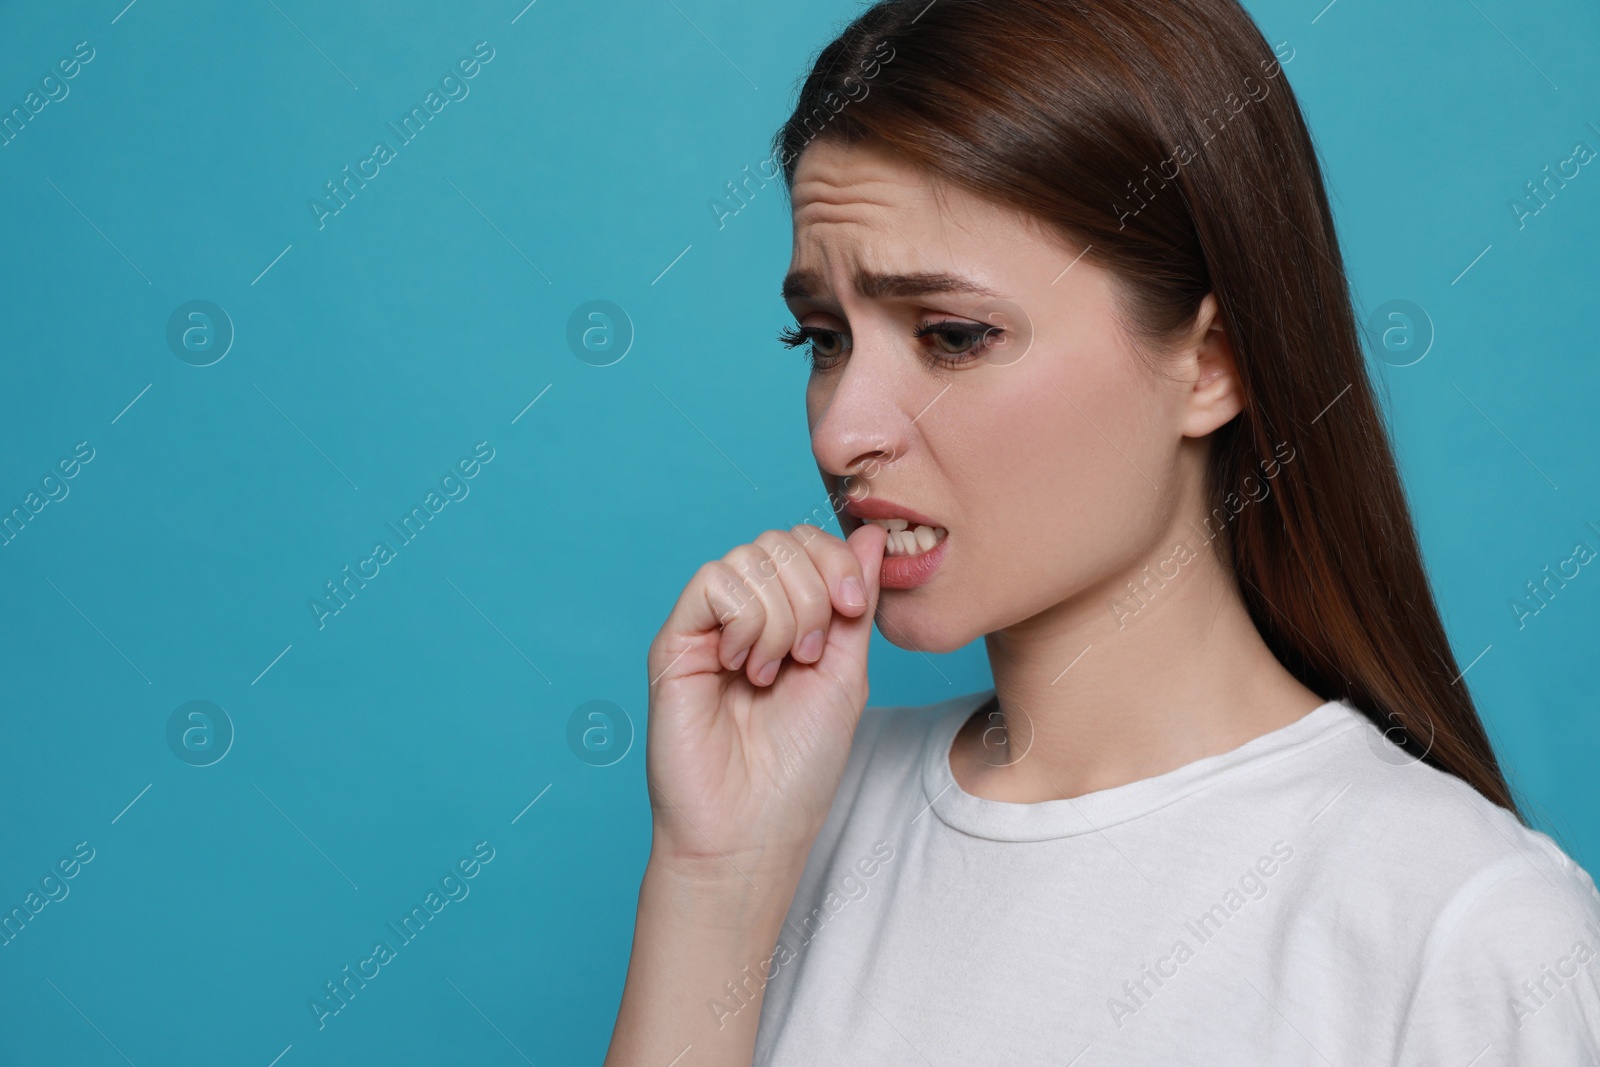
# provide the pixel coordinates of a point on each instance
(1214, 394)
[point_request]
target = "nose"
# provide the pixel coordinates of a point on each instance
(859, 425)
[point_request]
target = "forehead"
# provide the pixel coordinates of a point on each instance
(887, 229)
(831, 175)
(861, 208)
(864, 193)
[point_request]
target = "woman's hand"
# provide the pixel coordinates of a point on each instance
(757, 680)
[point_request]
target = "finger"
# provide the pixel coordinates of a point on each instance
(759, 573)
(807, 592)
(713, 602)
(837, 565)
(852, 635)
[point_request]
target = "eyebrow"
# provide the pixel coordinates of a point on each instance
(808, 285)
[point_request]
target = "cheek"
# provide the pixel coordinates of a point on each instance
(1062, 498)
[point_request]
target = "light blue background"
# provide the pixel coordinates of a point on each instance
(425, 317)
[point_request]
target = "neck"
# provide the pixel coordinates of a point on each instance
(1114, 685)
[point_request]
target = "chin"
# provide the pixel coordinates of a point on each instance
(920, 627)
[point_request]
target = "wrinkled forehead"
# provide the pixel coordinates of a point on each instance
(831, 172)
(868, 224)
(843, 228)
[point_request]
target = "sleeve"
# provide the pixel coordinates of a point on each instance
(1511, 974)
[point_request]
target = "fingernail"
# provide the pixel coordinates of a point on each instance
(765, 675)
(738, 661)
(810, 646)
(854, 595)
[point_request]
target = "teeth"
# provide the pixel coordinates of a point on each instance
(906, 539)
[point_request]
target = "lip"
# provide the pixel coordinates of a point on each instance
(900, 572)
(908, 572)
(872, 507)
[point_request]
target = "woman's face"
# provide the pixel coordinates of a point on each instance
(1040, 456)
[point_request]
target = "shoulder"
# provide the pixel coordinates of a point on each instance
(1421, 824)
(1507, 923)
(1509, 972)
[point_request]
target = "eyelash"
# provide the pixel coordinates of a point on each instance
(984, 336)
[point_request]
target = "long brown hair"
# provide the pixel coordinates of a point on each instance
(1162, 137)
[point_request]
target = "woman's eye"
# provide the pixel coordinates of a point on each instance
(953, 343)
(827, 343)
(823, 345)
(947, 344)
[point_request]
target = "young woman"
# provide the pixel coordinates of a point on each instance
(1085, 381)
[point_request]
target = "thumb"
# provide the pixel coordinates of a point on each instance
(854, 634)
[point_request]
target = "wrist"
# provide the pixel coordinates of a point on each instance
(702, 928)
(748, 876)
(736, 871)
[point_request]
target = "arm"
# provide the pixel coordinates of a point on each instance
(698, 932)
(750, 726)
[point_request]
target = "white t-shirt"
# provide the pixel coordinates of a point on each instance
(1314, 896)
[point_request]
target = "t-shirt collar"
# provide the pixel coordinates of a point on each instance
(1007, 821)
